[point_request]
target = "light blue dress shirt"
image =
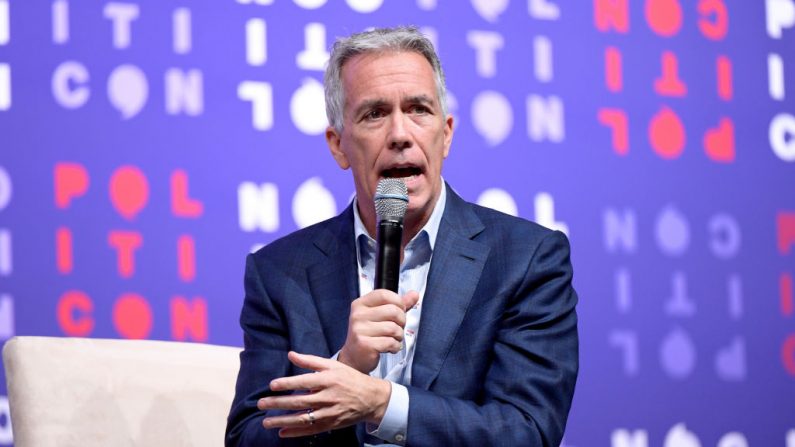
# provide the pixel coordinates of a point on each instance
(396, 368)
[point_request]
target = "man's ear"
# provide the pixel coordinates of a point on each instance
(333, 141)
(448, 134)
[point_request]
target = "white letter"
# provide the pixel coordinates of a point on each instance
(184, 92)
(6, 317)
(60, 22)
(620, 230)
(181, 20)
(545, 118)
(498, 199)
(5, 23)
(725, 231)
(791, 438)
(308, 108)
(735, 289)
(545, 213)
(5, 188)
(121, 14)
(678, 358)
(128, 90)
(678, 436)
(365, 6)
(486, 44)
(261, 96)
(672, 232)
(623, 290)
(775, 77)
(6, 265)
(70, 73)
(625, 438)
(258, 207)
(310, 4)
(542, 50)
(730, 363)
(5, 86)
(490, 9)
(492, 116)
(733, 439)
(313, 203)
(426, 5)
(627, 342)
(6, 432)
(314, 56)
(782, 136)
(540, 9)
(780, 14)
(256, 42)
(678, 304)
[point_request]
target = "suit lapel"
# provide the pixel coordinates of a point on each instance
(333, 280)
(455, 272)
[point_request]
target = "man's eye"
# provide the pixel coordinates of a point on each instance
(374, 114)
(419, 110)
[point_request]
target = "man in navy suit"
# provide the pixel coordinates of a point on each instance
(480, 345)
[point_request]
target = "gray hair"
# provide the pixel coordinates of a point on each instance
(402, 38)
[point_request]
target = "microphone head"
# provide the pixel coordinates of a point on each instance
(391, 199)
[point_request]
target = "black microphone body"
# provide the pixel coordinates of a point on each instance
(387, 258)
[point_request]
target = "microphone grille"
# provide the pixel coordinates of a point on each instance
(391, 199)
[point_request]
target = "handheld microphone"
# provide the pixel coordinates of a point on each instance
(391, 201)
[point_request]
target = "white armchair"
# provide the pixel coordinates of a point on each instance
(96, 392)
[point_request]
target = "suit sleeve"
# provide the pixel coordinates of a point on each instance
(530, 382)
(266, 344)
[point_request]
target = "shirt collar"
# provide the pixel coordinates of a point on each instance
(431, 227)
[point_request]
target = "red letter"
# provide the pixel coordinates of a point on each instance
(787, 300)
(719, 142)
(125, 243)
(186, 258)
(181, 204)
(129, 191)
(664, 16)
(189, 319)
(786, 231)
(717, 28)
(71, 180)
(788, 354)
(725, 89)
(63, 250)
(669, 84)
(132, 316)
(70, 302)
(613, 77)
(616, 120)
(611, 14)
(667, 134)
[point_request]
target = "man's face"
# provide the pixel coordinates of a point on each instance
(392, 127)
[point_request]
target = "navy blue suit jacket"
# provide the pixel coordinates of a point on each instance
(497, 351)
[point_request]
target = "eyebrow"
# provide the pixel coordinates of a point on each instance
(376, 103)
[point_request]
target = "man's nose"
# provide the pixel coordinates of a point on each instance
(399, 137)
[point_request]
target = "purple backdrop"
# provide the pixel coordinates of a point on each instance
(147, 146)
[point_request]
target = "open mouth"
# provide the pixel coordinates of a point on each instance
(402, 172)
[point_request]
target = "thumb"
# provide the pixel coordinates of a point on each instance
(410, 299)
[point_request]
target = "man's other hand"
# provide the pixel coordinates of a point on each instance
(375, 325)
(333, 397)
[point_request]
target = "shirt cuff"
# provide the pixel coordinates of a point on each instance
(396, 418)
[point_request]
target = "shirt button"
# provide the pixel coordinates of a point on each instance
(399, 437)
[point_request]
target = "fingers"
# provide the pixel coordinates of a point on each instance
(410, 299)
(312, 362)
(299, 423)
(380, 297)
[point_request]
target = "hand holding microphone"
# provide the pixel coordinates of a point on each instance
(377, 319)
